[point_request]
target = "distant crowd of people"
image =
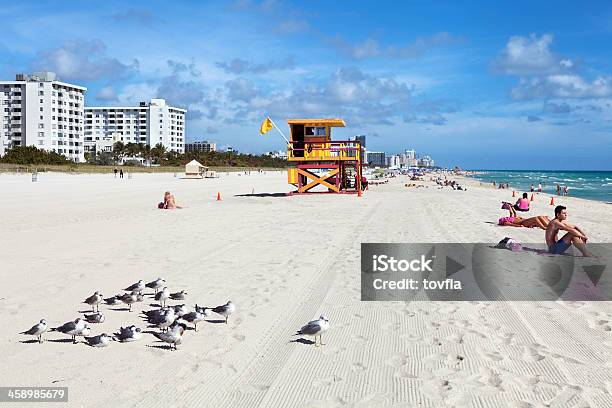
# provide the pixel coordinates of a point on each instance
(559, 189)
(444, 182)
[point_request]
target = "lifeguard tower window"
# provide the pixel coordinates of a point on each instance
(315, 131)
(297, 137)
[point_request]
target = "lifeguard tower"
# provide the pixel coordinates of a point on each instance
(318, 164)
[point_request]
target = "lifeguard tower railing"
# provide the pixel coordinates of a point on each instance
(335, 165)
(349, 150)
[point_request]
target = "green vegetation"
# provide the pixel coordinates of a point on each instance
(30, 157)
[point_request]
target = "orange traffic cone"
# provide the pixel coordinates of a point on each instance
(513, 193)
(531, 196)
(218, 196)
(552, 200)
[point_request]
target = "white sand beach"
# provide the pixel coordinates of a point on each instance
(283, 261)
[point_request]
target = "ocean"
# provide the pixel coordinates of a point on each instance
(592, 185)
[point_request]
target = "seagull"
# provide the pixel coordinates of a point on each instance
(155, 314)
(85, 332)
(136, 287)
(174, 336)
(129, 298)
(102, 340)
(95, 317)
(94, 300)
(113, 301)
(197, 316)
(162, 296)
(37, 330)
(180, 310)
(225, 310)
(156, 284)
(315, 328)
(74, 328)
(178, 295)
(127, 334)
(167, 319)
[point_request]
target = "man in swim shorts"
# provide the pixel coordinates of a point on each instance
(574, 234)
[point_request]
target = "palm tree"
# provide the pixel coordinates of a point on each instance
(118, 150)
(145, 150)
(158, 152)
(132, 149)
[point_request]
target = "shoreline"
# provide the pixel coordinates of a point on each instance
(474, 183)
(488, 185)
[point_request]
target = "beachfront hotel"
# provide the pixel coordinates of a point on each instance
(39, 110)
(149, 123)
(201, 146)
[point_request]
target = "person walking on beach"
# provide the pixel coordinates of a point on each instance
(120, 173)
(532, 188)
(115, 171)
(539, 187)
(566, 191)
(574, 234)
(558, 190)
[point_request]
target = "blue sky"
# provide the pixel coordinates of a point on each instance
(521, 85)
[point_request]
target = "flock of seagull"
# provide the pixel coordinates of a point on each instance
(171, 320)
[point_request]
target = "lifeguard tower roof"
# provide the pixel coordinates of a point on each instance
(318, 122)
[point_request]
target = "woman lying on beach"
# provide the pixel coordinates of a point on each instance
(540, 221)
(169, 202)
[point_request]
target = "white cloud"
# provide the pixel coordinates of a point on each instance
(106, 94)
(530, 56)
(371, 48)
(563, 86)
(84, 60)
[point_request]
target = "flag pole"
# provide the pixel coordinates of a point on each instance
(279, 131)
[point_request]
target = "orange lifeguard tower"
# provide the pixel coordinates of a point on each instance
(317, 161)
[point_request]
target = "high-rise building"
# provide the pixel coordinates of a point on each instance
(41, 111)
(200, 146)
(149, 123)
(376, 158)
(426, 161)
(393, 160)
(362, 139)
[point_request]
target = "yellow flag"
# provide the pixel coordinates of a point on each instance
(266, 126)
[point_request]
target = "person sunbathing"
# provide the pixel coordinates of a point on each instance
(522, 204)
(169, 202)
(540, 221)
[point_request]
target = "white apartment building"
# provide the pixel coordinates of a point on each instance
(150, 123)
(39, 110)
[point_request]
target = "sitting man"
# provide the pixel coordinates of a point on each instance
(574, 234)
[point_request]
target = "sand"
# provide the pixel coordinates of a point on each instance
(283, 261)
